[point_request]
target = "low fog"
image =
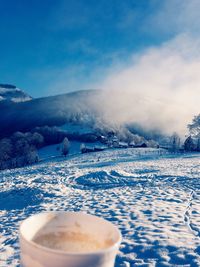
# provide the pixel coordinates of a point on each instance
(159, 89)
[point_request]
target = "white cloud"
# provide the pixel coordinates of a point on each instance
(159, 89)
(174, 17)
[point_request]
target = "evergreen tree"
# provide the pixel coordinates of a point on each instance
(189, 144)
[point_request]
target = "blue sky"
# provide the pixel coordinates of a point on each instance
(49, 47)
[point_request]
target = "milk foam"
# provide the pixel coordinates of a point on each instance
(73, 242)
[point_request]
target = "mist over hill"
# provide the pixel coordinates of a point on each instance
(84, 108)
(51, 111)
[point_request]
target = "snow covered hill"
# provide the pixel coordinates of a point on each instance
(52, 111)
(53, 151)
(75, 112)
(11, 93)
(154, 199)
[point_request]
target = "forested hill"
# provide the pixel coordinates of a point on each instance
(53, 110)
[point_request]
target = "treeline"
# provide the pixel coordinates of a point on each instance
(192, 142)
(19, 149)
(55, 135)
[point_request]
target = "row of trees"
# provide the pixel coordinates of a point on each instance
(65, 147)
(20, 149)
(54, 135)
(192, 142)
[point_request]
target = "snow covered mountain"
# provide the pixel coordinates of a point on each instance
(11, 93)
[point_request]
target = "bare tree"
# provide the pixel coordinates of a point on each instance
(65, 146)
(194, 127)
(82, 148)
(175, 142)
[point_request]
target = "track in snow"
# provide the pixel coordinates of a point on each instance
(155, 201)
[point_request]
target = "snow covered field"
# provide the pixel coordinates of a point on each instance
(154, 199)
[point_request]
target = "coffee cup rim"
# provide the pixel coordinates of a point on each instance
(62, 252)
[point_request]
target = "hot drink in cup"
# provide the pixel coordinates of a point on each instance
(68, 239)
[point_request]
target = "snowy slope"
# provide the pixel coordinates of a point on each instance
(12, 93)
(153, 198)
(53, 151)
(52, 110)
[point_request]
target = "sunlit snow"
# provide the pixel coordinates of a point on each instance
(153, 197)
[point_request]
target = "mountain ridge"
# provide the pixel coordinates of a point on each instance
(10, 93)
(52, 111)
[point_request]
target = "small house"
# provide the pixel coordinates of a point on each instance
(142, 144)
(132, 144)
(87, 149)
(122, 145)
(99, 148)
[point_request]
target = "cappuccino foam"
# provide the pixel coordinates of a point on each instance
(72, 242)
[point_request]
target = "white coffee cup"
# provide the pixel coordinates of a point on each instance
(34, 254)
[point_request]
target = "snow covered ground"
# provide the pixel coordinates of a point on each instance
(56, 150)
(52, 151)
(152, 197)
